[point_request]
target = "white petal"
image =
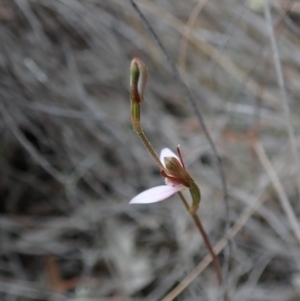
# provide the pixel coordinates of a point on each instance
(155, 194)
(166, 152)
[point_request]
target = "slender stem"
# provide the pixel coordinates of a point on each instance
(205, 238)
(184, 201)
(216, 262)
(138, 129)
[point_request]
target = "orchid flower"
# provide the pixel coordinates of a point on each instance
(176, 179)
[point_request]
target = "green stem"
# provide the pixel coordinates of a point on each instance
(138, 129)
(205, 238)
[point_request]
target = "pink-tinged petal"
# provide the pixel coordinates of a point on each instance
(155, 194)
(166, 152)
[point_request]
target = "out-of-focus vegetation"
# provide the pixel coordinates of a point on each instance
(70, 161)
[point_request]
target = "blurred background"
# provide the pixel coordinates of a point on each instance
(70, 161)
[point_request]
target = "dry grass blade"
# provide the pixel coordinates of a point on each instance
(11, 124)
(186, 36)
(288, 209)
(281, 84)
(34, 22)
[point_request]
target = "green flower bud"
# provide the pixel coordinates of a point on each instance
(138, 80)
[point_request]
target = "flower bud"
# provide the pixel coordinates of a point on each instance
(138, 80)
